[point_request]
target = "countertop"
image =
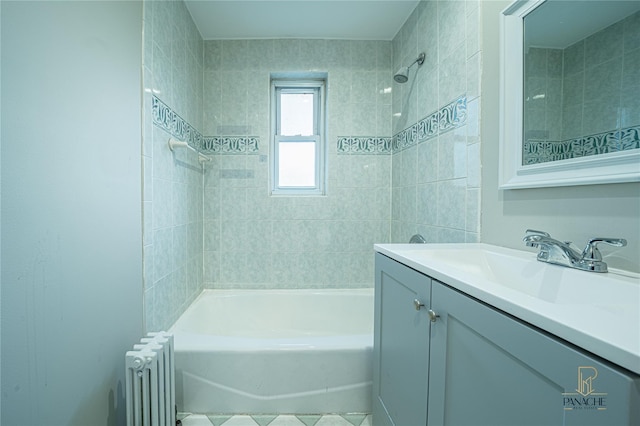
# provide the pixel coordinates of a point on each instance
(601, 319)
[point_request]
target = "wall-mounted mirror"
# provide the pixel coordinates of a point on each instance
(570, 101)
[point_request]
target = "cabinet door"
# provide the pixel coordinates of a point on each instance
(401, 345)
(488, 368)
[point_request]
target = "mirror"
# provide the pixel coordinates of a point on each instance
(570, 101)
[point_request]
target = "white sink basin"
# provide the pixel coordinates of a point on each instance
(599, 312)
(520, 271)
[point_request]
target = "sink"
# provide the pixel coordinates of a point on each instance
(599, 312)
(520, 271)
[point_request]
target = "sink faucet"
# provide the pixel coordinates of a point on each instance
(562, 253)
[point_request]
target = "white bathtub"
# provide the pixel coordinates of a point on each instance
(275, 351)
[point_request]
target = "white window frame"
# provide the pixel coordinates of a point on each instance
(289, 85)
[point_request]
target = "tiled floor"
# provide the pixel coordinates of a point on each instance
(277, 420)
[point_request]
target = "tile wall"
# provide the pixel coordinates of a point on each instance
(436, 174)
(219, 228)
(543, 93)
(252, 240)
(173, 182)
(599, 75)
(584, 99)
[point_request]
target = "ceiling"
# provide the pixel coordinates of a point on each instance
(559, 24)
(316, 19)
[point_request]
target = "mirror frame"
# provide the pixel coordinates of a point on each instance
(597, 169)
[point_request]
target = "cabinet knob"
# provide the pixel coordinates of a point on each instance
(432, 315)
(418, 304)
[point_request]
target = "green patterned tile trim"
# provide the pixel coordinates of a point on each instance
(230, 144)
(168, 120)
(364, 145)
(448, 117)
(543, 151)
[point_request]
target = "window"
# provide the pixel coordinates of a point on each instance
(298, 147)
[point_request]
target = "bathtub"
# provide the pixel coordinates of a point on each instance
(275, 351)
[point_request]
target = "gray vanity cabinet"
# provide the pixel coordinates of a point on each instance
(401, 344)
(480, 366)
(489, 368)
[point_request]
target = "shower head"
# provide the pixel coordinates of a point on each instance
(402, 76)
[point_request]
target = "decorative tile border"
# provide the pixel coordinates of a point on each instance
(543, 151)
(230, 145)
(447, 118)
(168, 120)
(364, 145)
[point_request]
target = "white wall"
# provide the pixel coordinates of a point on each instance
(572, 213)
(71, 214)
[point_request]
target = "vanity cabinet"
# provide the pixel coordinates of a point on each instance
(401, 344)
(458, 361)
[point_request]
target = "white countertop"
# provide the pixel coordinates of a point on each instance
(599, 312)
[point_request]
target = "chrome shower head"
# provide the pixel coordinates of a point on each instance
(402, 76)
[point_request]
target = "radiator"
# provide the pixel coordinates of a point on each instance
(150, 382)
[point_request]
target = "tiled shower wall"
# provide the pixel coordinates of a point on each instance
(436, 173)
(253, 240)
(599, 75)
(173, 182)
(219, 228)
(543, 94)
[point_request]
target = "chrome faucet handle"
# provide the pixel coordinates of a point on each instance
(530, 234)
(534, 232)
(591, 251)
